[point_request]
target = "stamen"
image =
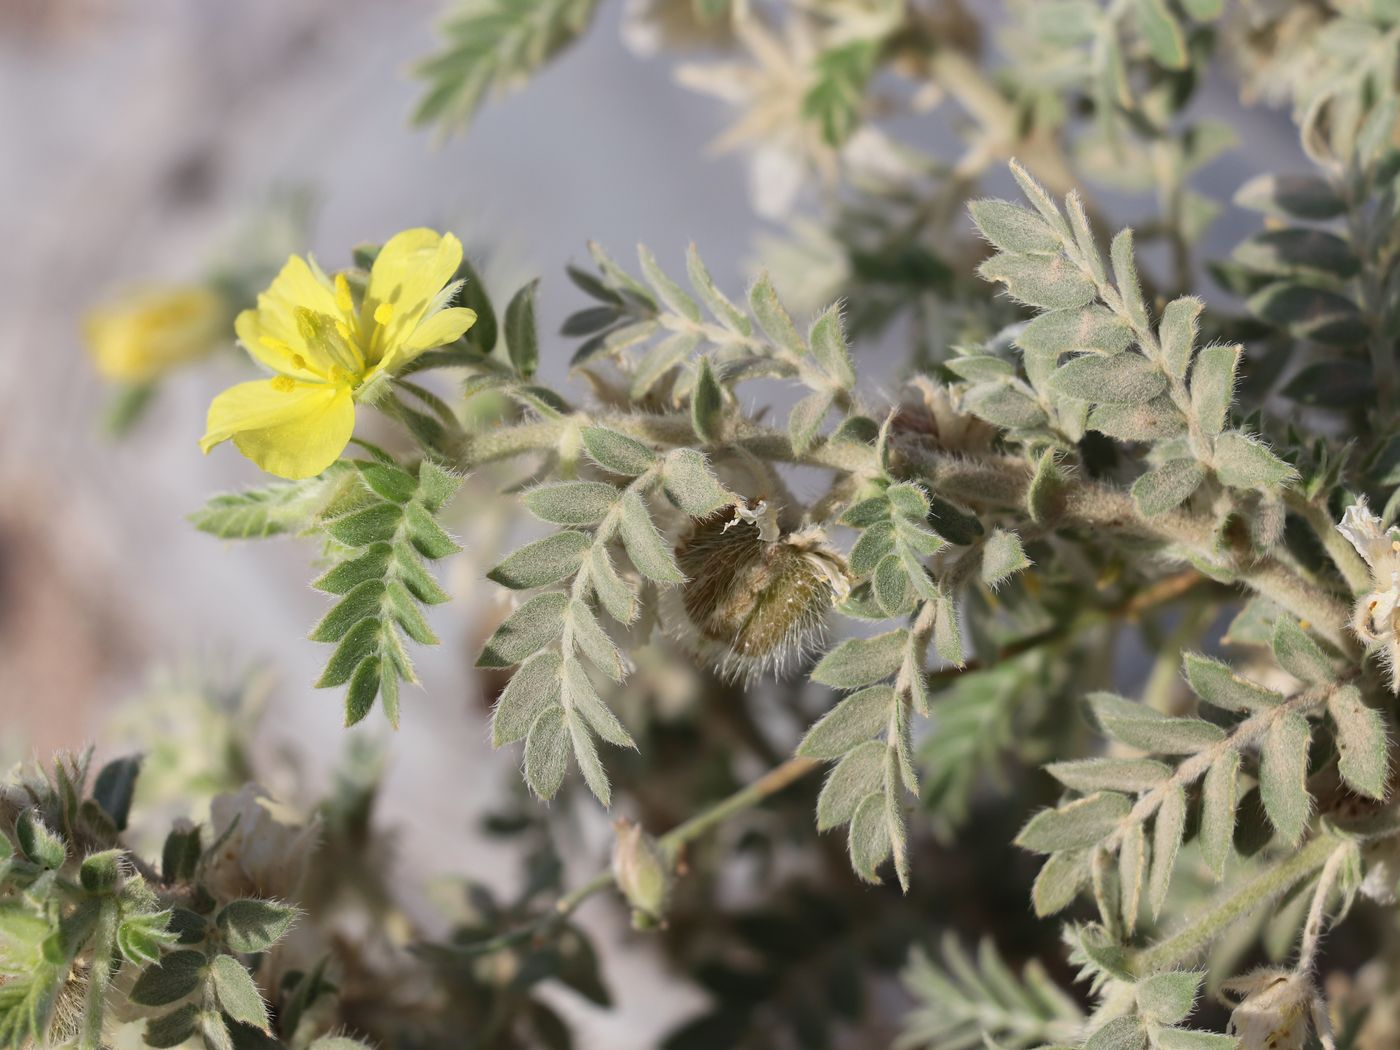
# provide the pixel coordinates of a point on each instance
(343, 298)
(383, 312)
(306, 324)
(283, 384)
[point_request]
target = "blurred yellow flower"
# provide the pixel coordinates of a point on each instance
(327, 350)
(150, 332)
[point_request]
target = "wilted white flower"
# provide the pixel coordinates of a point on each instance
(1382, 871)
(652, 26)
(771, 91)
(1374, 619)
(1274, 1009)
(266, 850)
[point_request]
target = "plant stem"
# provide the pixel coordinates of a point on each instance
(671, 843)
(765, 787)
(1267, 886)
(1317, 910)
(104, 948)
(1344, 556)
(995, 482)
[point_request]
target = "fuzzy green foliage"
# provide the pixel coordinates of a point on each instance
(733, 544)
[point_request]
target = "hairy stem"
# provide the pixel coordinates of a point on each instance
(1206, 927)
(104, 949)
(1317, 910)
(994, 482)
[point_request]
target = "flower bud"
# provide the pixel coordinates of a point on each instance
(754, 598)
(150, 333)
(641, 872)
(101, 872)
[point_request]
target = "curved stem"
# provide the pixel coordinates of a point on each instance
(1266, 887)
(1317, 910)
(765, 787)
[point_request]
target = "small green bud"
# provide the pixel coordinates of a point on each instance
(641, 872)
(101, 872)
(38, 843)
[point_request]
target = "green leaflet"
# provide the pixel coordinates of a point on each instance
(490, 45)
(378, 572)
(1082, 822)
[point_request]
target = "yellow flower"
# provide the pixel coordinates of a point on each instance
(328, 351)
(152, 331)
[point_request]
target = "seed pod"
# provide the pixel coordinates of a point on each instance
(641, 873)
(754, 599)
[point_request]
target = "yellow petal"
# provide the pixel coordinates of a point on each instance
(271, 333)
(273, 351)
(297, 284)
(443, 327)
(408, 273)
(291, 429)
